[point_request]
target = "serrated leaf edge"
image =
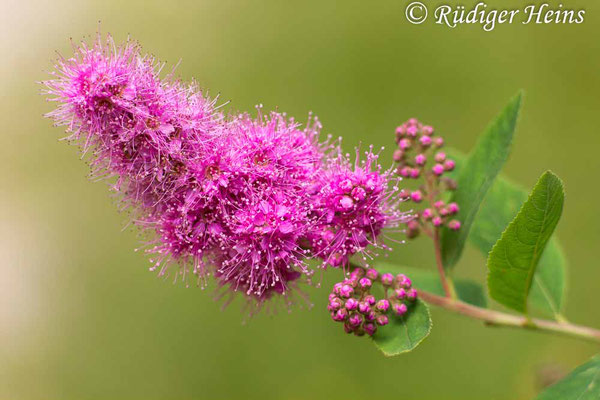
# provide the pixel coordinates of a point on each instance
(532, 275)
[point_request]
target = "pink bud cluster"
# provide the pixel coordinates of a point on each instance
(352, 303)
(419, 156)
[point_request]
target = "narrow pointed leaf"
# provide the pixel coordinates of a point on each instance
(404, 333)
(581, 384)
(500, 206)
(513, 260)
(467, 290)
(480, 169)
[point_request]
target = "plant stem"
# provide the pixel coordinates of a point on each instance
(497, 318)
(448, 288)
(447, 285)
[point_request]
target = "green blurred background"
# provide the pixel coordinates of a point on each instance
(82, 318)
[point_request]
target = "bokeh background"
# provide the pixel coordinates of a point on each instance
(82, 318)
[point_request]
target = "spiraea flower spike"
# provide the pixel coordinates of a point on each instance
(246, 200)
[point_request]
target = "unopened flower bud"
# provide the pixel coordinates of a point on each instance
(439, 142)
(449, 165)
(416, 196)
(387, 279)
(413, 224)
(383, 305)
(340, 315)
(436, 221)
(382, 320)
(357, 273)
(439, 204)
(370, 316)
(358, 193)
(400, 309)
(347, 291)
(370, 329)
(420, 159)
(365, 283)
(440, 157)
(372, 274)
(352, 281)
(405, 172)
(427, 130)
(425, 141)
(334, 305)
(453, 208)
(351, 304)
(411, 294)
(370, 299)
(355, 320)
(444, 211)
(454, 225)
(401, 293)
(438, 169)
(337, 288)
(404, 144)
(412, 131)
(415, 173)
(364, 308)
(346, 203)
(348, 328)
(403, 280)
(398, 155)
(427, 213)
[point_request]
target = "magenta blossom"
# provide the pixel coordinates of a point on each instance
(246, 200)
(266, 206)
(355, 203)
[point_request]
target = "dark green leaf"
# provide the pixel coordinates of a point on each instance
(404, 333)
(514, 258)
(581, 384)
(480, 169)
(467, 290)
(500, 206)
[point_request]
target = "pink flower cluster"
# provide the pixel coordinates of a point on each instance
(418, 156)
(355, 205)
(247, 200)
(352, 303)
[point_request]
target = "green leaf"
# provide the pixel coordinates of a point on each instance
(581, 384)
(481, 168)
(514, 258)
(500, 206)
(404, 333)
(467, 290)
(547, 291)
